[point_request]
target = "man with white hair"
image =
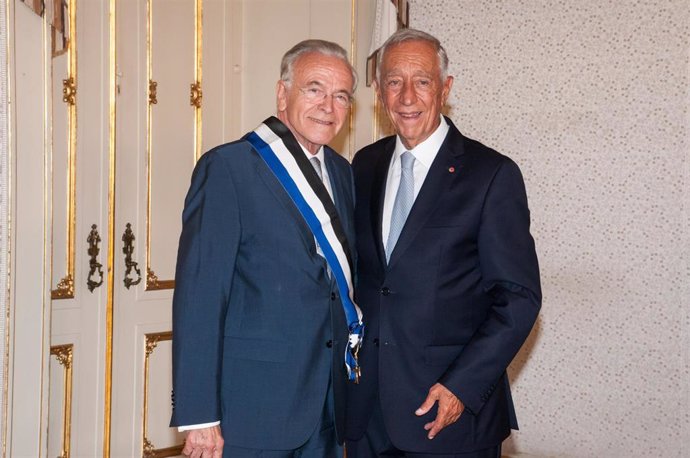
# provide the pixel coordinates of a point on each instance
(263, 309)
(447, 273)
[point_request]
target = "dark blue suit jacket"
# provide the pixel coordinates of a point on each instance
(258, 327)
(455, 303)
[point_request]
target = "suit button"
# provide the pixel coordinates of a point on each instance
(329, 344)
(376, 342)
(332, 296)
(385, 291)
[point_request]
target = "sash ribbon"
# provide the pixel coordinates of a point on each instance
(283, 155)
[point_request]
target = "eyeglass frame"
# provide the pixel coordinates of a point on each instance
(314, 90)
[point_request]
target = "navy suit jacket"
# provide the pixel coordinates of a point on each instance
(457, 300)
(258, 327)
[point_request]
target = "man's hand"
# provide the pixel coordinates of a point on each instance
(449, 409)
(204, 443)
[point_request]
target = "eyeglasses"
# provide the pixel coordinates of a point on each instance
(315, 94)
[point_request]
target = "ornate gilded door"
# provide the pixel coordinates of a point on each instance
(136, 91)
(163, 100)
(121, 147)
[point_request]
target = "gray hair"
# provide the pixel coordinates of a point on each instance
(404, 35)
(327, 48)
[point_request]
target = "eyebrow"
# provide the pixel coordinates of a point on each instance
(321, 85)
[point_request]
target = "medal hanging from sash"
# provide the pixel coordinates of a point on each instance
(280, 151)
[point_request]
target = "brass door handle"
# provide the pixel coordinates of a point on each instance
(95, 267)
(128, 249)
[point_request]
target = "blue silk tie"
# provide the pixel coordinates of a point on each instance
(404, 199)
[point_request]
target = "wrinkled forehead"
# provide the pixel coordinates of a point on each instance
(323, 69)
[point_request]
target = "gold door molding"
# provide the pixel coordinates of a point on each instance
(149, 450)
(67, 23)
(63, 354)
(196, 94)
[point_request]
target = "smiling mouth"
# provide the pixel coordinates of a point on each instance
(322, 122)
(412, 116)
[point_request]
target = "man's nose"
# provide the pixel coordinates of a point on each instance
(327, 103)
(407, 94)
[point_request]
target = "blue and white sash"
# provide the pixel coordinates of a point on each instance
(279, 149)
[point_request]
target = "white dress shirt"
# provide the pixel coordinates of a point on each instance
(424, 155)
(327, 182)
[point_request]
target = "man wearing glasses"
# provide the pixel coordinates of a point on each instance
(265, 331)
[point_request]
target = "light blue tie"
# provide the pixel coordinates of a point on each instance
(316, 163)
(403, 201)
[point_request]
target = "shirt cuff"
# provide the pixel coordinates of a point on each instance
(199, 426)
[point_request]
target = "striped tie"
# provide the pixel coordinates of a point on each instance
(403, 201)
(316, 163)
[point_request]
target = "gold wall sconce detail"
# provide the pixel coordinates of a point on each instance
(95, 267)
(128, 249)
(69, 91)
(196, 94)
(153, 92)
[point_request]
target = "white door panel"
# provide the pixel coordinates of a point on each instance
(106, 367)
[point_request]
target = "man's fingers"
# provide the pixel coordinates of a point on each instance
(204, 443)
(449, 409)
(427, 404)
(435, 429)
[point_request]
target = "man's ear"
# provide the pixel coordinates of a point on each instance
(281, 96)
(447, 85)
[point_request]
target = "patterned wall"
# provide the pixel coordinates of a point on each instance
(4, 202)
(591, 98)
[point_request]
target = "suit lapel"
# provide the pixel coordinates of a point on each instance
(282, 196)
(378, 193)
(444, 171)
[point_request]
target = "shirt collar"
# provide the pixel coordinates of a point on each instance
(426, 151)
(319, 154)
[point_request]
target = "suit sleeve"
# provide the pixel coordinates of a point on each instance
(205, 264)
(510, 276)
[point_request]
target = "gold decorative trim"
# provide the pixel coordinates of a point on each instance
(148, 449)
(112, 110)
(195, 100)
(69, 89)
(153, 283)
(195, 94)
(63, 353)
(65, 288)
(353, 62)
(153, 92)
(150, 279)
(151, 452)
(198, 53)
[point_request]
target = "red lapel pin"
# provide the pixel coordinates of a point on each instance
(451, 169)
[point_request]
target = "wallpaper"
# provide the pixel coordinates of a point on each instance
(590, 98)
(4, 202)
